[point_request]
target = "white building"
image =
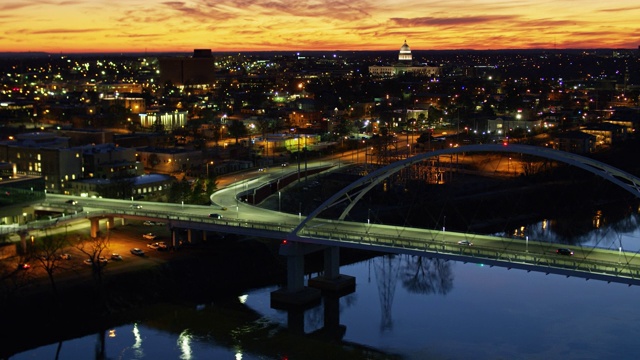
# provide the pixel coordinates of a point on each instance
(404, 65)
(169, 120)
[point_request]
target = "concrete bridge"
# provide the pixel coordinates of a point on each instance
(303, 235)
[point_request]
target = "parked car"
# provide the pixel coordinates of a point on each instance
(116, 256)
(103, 260)
(215, 216)
(24, 266)
(153, 245)
(564, 251)
(65, 256)
(149, 236)
(162, 245)
(465, 243)
(88, 261)
(137, 251)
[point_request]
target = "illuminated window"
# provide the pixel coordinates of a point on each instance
(39, 157)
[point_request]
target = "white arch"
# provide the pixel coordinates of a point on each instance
(619, 177)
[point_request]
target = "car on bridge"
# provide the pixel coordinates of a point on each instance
(465, 243)
(149, 236)
(215, 216)
(71, 202)
(135, 206)
(564, 251)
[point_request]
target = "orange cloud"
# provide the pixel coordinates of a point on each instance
(244, 25)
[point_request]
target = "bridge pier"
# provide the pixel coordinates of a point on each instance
(332, 280)
(24, 235)
(110, 222)
(295, 294)
(95, 226)
(296, 298)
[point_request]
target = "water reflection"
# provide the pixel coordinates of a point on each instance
(606, 232)
(184, 344)
(490, 313)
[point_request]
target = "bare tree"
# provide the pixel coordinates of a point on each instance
(48, 252)
(94, 248)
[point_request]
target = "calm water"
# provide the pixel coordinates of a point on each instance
(413, 307)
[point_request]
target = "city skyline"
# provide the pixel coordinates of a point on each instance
(264, 25)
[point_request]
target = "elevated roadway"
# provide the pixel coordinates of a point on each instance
(317, 233)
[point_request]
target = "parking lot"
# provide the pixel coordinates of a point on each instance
(121, 240)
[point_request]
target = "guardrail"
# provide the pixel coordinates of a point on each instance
(504, 257)
(427, 244)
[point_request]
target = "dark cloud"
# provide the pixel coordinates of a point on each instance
(631, 8)
(222, 10)
(465, 20)
(136, 36)
(53, 31)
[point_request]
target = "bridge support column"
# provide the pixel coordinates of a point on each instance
(332, 280)
(95, 227)
(295, 294)
(24, 235)
(189, 236)
(110, 222)
(173, 238)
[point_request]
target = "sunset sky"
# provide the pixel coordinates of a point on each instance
(257, 25)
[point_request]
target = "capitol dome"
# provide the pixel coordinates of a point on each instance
(405, 52)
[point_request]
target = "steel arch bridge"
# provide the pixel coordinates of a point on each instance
(614, 175)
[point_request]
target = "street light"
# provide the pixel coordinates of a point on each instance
(619, 253)
(444, 224)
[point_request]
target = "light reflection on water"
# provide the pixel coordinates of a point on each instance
(421, 308)
(624, 233)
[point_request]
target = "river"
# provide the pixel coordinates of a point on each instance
(403, 307)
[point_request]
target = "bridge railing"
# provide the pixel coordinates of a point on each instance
(478, 254)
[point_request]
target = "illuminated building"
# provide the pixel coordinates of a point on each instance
(404, 65)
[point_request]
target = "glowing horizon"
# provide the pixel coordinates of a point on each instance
(85, 26)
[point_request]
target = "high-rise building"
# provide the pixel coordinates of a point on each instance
(194, 71)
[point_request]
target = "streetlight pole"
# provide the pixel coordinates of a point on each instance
(444, 225)
(280, 201)
(619, 253)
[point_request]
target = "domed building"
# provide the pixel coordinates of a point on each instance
(405, 53)
(404, 65)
